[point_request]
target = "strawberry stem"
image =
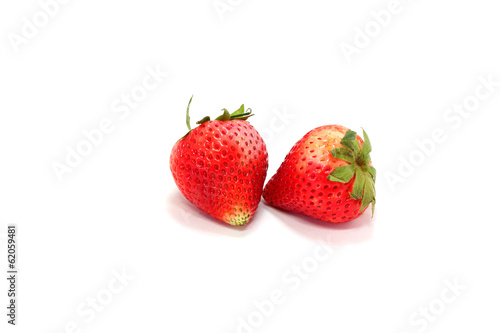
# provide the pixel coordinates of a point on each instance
(188, 118)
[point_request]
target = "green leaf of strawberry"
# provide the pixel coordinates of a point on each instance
(225, 115)
(351, 142)
(239, 114)
(343, 154)
(364, 174)
(342, 174)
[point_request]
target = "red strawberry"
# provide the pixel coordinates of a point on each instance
(221, 165)
(327, 175)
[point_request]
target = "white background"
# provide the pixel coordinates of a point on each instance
(120, 209)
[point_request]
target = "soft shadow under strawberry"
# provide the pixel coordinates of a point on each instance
(191, 217)
(336, 234)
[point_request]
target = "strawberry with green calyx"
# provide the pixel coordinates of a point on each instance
(221, 165)
(327, 175)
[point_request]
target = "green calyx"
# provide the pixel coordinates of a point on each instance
(240, 114)
(359, 160)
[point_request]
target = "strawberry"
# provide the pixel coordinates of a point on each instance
(221, 165)
(327, 175)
